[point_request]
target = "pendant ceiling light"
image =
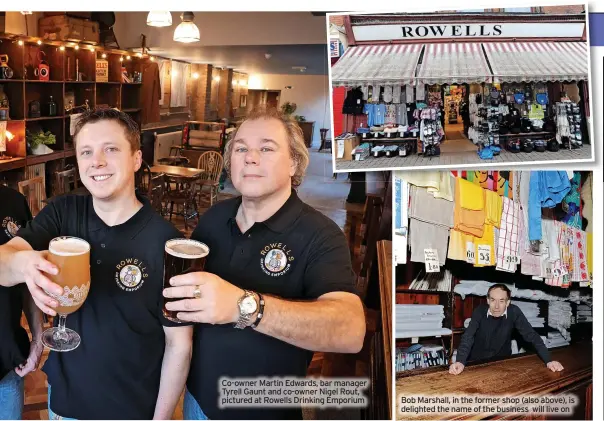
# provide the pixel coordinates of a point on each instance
(187, 31)
(159, 19)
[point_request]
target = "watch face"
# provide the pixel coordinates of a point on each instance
(248, 305)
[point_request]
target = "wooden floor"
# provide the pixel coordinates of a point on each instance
(323, 364)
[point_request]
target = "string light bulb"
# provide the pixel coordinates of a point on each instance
(139, 55)
(216, 78)
(128, 57)
(91, 49)
(121, 58)
(62, 48)
(39, 42)
(195, 75)
(77, 47)
(152, 58)
(104, 55)
(20, 42)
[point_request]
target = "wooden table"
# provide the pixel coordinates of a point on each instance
(177, 172)
(178, 161)
(384, 255)
(516, 376)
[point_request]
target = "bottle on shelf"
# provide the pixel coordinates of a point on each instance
(52, 107)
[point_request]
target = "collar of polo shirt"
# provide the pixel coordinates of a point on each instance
(282, 219)
(131, 227)
(505, 313)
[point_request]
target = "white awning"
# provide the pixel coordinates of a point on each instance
(379, 64)
(538, 61)
(446, 63)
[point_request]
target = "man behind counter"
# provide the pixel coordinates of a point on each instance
(490, 332)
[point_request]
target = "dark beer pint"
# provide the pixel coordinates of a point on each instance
(181, 256)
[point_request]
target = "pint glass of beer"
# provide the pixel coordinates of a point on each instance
(181, 256)
(71, 256)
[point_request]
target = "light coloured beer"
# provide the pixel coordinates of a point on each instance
(72, 257)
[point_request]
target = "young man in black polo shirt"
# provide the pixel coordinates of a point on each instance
(266, 246)
(490, 332)
(131, 363)
(18, 356)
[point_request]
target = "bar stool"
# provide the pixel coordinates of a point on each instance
(325, 143)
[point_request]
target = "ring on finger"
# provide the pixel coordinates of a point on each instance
(197, 292)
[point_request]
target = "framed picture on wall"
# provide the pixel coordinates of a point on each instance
(243, 101)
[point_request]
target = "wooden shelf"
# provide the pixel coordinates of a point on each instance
(108, 83)
(44, 81)
(69, 153)
(132, 83)
(11, 80)
(58, 117)
(89, 82)
(11, 164)
(39, 159)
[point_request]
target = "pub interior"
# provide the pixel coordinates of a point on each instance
(443, 273)
(187, 100)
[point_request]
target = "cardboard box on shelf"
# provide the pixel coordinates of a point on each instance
(348, 145)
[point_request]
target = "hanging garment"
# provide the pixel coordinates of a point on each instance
(590, 255)
(401, 220)
(425, 207)
(401, 114)
(420, 92)
(571, 203)
(365, 90)
(471, 196)
(396, 94)
(536, 112)
(547, 189)
(494, 208)
(150, 93)
(409, 94)
(466, 220)
(439, 183)
(379, 118)
(508, 243)
(369, 109)
(390, 114)
(387, 93)
(353, 103)
(178, 84)
(424, 236)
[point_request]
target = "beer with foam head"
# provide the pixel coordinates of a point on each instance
(72, 257)
(181, 256)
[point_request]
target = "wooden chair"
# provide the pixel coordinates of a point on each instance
(182, 193)
(156, 192)
(211, 162)
(142, 179)
(65, 179)
(34, 190)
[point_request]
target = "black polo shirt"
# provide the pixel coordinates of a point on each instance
(115, 372)
(14, 343)
(297, 254)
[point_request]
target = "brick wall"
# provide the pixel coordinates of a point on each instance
(337, 20)
(200, 91)
(225, 88)
(563, 10)
(240, 89)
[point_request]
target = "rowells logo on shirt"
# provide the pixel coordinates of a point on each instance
(276, 259)
(131, 274)
(10, 227)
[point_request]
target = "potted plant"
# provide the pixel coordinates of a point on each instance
(288, 108)
(37, 142)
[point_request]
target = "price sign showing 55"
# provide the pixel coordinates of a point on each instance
(484, 255)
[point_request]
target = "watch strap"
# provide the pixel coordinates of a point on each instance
(260, 312)
(243, 318)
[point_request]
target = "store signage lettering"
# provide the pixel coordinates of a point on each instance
(423, 31)
(408, 31)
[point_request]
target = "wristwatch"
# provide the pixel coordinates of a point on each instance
(247, 307)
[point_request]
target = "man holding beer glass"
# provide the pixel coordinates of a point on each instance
(131, 362)
(18, 356)
(279, 282)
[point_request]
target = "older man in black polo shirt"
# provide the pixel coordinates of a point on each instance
(132, 363)
(18, 356)
(278, 270)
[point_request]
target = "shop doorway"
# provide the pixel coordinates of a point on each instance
(456, 119)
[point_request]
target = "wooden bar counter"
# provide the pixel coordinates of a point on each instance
(515, 376)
